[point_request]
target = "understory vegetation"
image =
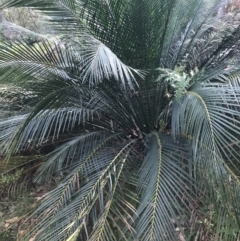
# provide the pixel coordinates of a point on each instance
(120, 120)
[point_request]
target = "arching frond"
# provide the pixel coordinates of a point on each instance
(58, 113)
(83, 192)
(8, 129)
(208, 116)
(100, 63)
(213, 108)
(67, 155)
(164, 184)
(39, 61)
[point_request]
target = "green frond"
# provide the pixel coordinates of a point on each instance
(67, 155)
(95, 174)
(101, 63)
(208, 117)
(102, 229)
(163, 183)
(40, 61)
(58, 113)
(8, 129)
(213, 109)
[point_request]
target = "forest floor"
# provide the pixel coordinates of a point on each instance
(14, 213)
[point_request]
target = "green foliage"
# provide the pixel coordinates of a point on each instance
(135, 107)
(7, 179)
(177, 79)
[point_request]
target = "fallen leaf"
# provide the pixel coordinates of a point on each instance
(7, 225)
(22, 232)
(12, 220)
(181, 237)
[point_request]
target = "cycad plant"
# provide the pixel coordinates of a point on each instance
(138, 104)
